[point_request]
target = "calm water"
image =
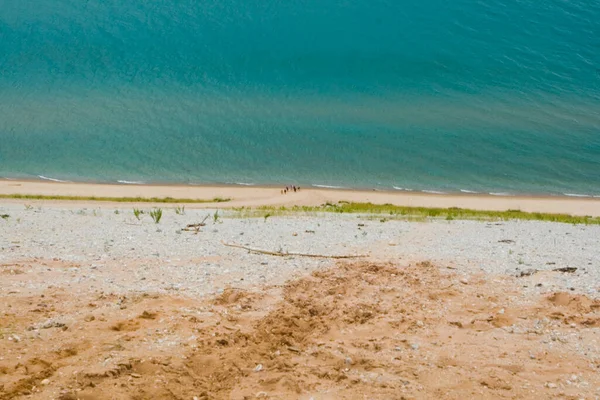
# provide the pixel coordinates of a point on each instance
(499, 96)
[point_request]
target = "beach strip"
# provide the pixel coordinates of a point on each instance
(254, 196)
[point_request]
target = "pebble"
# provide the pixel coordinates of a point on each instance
(414, 346)
(348, 361)
(464, 281)
(45, 382)
(258, 368)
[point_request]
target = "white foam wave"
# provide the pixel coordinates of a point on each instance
(577, 195)
(433, 192)
(50, 179)
(401, 188)
(328, 186)
(500, 194)
(131, 182)
(468, 191)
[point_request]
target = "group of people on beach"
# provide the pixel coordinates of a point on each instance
(290, 188)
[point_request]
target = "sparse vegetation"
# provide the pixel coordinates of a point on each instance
(117, 212)
(28, 207)
(216, 217)
(113, 199)
(419, 213)
(156, 215)
(137, 212)
(180, 210)
(267, 215)
(4, 216)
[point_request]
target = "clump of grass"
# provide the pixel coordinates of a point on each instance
(216, 217)
(117, 212)
(156, 215)
(28, 206)
(137, 212)
(267, 215)
(180, 210)
(4, 216)
(113, 199)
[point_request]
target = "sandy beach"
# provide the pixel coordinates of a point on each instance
(250, 196)
(96, 304)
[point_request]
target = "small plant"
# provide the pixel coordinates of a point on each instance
(4, 216)
(28, 207)
(267, 215)
(521, 262)
(117, 212)
(216, 217)
(156, 215)
(137, 212)
(180, 210)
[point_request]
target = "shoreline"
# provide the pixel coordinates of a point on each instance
(385, 189)
(264, 195)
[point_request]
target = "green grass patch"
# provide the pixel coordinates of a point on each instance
(113, 199)
(418, 213)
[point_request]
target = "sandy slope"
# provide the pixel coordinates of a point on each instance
(356, 330)
(255, 196)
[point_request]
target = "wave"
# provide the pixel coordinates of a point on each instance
(401, 188)
(468, 191)
(433, 192)
(500, 194)
(50, 179)
(243, 183)
(131, 182)
(577, 195)
(328, 187)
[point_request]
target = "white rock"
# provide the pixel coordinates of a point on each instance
(45, 382)
(258, 368)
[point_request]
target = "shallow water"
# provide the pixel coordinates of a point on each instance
(499, 97)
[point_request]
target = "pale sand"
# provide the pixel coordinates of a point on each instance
(257, 196)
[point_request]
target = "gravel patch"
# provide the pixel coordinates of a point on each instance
(83, 249)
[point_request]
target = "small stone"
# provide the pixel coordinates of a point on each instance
(551, 385)
(45, 382)
(414, 346)
(420, 324)
(258, 368)
(294, 234)
(262, 394)
(89, 318)
(348, 361)
(195, 398)
(501, 311)
(464, 281)
(136, 375)
(392, 244)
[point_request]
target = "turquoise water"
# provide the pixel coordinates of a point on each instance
(440, 95)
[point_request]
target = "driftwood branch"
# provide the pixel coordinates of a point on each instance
(196, 227)
(282, 254)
